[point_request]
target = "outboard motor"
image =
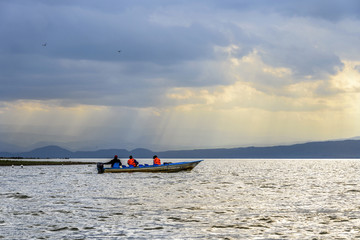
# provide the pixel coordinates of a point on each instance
(100, 167)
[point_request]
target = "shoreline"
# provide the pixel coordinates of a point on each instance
(36, 163)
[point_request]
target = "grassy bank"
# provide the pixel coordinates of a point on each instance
(34, 163)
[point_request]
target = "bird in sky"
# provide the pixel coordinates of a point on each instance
(44, 44)
(119, 51)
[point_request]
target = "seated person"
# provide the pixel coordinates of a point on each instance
(132, 162)
(156, 160)
(114, 160)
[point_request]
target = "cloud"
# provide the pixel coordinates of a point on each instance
(178, 46)
(331, 10)
(180, 62)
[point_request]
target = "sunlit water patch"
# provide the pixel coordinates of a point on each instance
(219, 199)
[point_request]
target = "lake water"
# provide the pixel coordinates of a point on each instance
(219, 199)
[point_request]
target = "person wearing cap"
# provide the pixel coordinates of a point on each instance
(114, 160)
(156, 160)
(132, 161)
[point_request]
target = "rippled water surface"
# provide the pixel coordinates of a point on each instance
(219, 199)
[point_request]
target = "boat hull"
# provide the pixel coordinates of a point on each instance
(169, 167)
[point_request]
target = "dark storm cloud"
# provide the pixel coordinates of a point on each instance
(148, 51)
(332, 10)
(86, 33)
(305, 62)
(81, 61)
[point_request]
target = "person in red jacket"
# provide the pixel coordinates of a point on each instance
(156, 160)
(132, 161)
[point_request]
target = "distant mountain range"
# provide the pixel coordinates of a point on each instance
(327, 149)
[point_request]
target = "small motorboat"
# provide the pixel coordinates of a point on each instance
(165, 167)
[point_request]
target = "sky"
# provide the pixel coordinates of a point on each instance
(171, 75)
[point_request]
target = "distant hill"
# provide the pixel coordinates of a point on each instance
(328, 149)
